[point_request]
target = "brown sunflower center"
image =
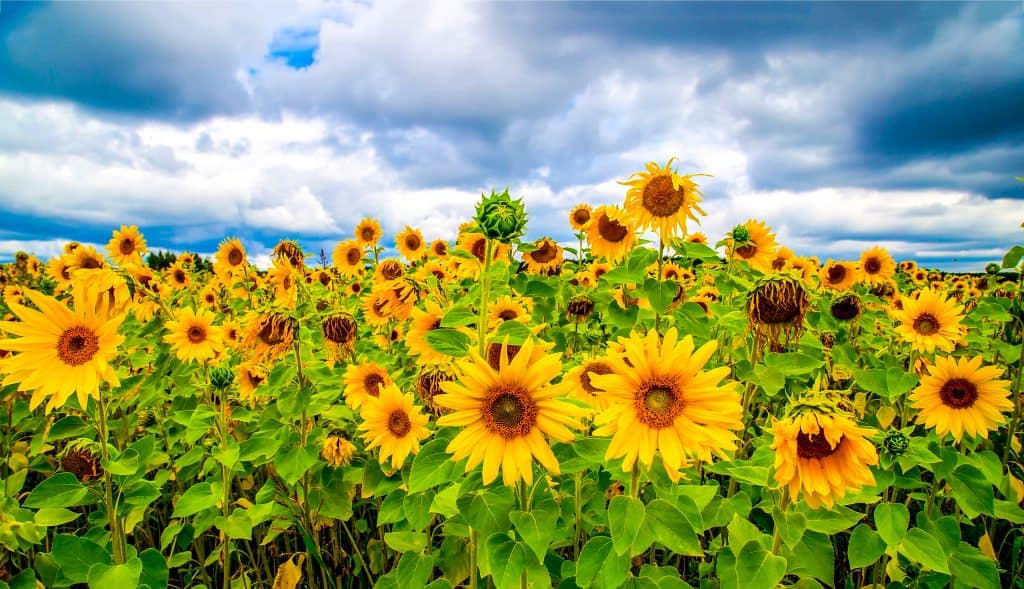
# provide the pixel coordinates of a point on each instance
(836, 274)
(340, 329)
(274, 330)
(815, 445)
(127, 246)
(926, 324)
(507, 315)
(91, 263)
(325, 278)
(196, 334)
(235, 256)
(413, 242)
(390, 270)
(509, 411)
(379, 304)
(494, 354)
(581, 216)
(747, 251)
(659, 402)
(846, 308)
(596, 368)
(958, 393)
(66, 275)
(372, 383)
(353, 256)
(873, 265)
(209, 298)
(179, 276)
(440, 248)
(479, 248)
(611, 230)
(778, 263)
(255, 378)
(661, 198)
(544, 254)
(366, 234)
(399, 424)
(77, 345)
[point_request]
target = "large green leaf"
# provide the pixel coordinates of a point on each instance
(671, 528)
(866, 547)
(599, 566)
(752, 567)
(121, 576)
(972, 491)
(891, 521)
(60, 490)
(448, 342)
(921, 547)
(432, 466)
(76, 555)
(536, 535)
(625, 518)
(197, 498)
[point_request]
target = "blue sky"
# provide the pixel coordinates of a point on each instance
(842, 125)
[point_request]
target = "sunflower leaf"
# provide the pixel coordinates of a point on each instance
(625, 519)
(921, 547)
(448, 342)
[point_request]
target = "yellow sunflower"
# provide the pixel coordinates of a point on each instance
(508, 309)
(423, 322)
(583, 389)
(193, 335)
(579, 216)
(839, 275)
(177, 277)
(506, 412)
(348, 258)
(410, 244)
(439, 248)
(282, 277)
(85, 257)
(230, 257)
(208, 297)
(393, 423)
(250, 375)
(388, 269)
(609, 233)
(929, 321)
(127, 246)
(375, 307)
(960, 396)
(363, 381)
(758, 249)
(546, 257)
(368, 232)
(908, 266)
(60, 271)
(660, 199)
(783, 256)
(876, 266)
(290, 251)
(697, 238)
(60, 351)
(231, 332)
(822, 456)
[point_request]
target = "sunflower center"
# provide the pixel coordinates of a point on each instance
(196, 334)
(440, 248)
(77, 345)
(581, 216)
(399, 424)
(661, 198)
(926, 324)
(179, 276)
(91, 263)
(958, 393)
(747, 251)
(611, 230)
(274, 330)
(671, 274)
(325, 278)
(390, 270)
(366, 234)
(846, 308)
(494, 354)
(815, 445)
(413, 242)
(353, 256)
(544, 254)
(255, 378)
(596, 368)
(873, 265)
(778, 263)
(127, 246)
(509, 411)
(67, 275)
(659, 402)
(209, 298)
(479, 249)
(836, 274)
(379, 304)
(507, 315)
(372, 383)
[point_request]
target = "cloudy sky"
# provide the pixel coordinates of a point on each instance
(841, 125)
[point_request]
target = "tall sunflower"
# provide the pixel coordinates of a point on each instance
(363, 381)
(662, 200)
(193, 335)
(282, 277)
(410, 244)
(85, 257)
(579, 216)
(388, 269)
(230, 257)
(348, 258)
(839, 275)
(506, 413)
(753, 242)
(546, 257)
(393, 423)
(822, 456)
(929, 321)
(177, 277)
(876, 266)
(269, 335)
(423, 322)
(960, 396)
(60, 351)
(610, 233)
(662, 400)
(127, 246)
(368, 232)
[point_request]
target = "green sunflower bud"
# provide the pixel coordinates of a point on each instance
(500, 217)
(740, 234)
(992, 268)
(896, 443)
(221, 377)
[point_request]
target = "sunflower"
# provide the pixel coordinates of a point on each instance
(876, 266)
(754, 242)
(599, 269)
(193, 335)
(368, 232)
(85, 257)
(231, 333)
(803, 267)
(697, 238)
(388, 269)
(929, 321)
(59, 270)
(423, 322)
(508, 309)
(661, 199)
(579, 216)
(282, 276)
(583, 388)
(839, 275)
(960, 396)
(106, 288)
(506, 413)
(661, 399)
(375, 307)
(907, 266)
(230, 257)
(435, 269)
(208, 296)
(250, 375)
(290, 251)
(127, 246)
(269, 335)
(177, 276)
(354, 289)
(393, 423)
(348, 258)
(821, 456)
(363, 381)
(438, 249)
(71, 246)
(60, 351)
(783, 256)
(410, 244)
(609, 233)
(546, 257)
(669, 271)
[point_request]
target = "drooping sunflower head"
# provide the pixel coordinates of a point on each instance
(289, 250)
(230, 256)
(876, 266)
(839, 275)
(846, 307)
(410, 244)
(85, 257)
(776, 309)
(368, 232)
(193, 335)
(348, 258)
(579, 307)
(127, 245)
(754, 243)
(269, 335)
(929, 321)
(662, 200)
(583, 389)
(337, 451)
(362, 381)
(250, 375)
(609, 233)
(395, 424)
(961, 396)
(546, 257)
(428, 385)
(579, 216)
(388, 269)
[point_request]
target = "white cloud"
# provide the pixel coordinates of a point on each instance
(300, 212)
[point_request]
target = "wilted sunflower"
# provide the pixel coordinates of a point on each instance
(282, 277)
(876, 266)
(127, 246)
(776, 309)
(289, 250)
(609, 233)
(85, 257)
(546, 257)
(250, 376)
(363, 381)
(960, 396)
(393, 423)
(230, 257)
(269, 335)
(348, 258)
(839, 275)
(506, 413)
(410, 244)
(661, 199)
(193, 335)
(340, 331)
(423, 322)
(368, 232)
(846, 307)
(60, 351)
(821, 456)
(337, 451)
(579, 216)
(929, 321)
(662, 400)
(753, 242)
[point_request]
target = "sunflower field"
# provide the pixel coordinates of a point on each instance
(641, 408)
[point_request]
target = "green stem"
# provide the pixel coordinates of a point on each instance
(358, 553)
(524, 505)
(485, 287)
(472, 559)
(776, 535)
(116, 535)
(634, 482)
(578, 539)
(661, 262)
(1011, 430)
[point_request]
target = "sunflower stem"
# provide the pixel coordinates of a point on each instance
(359, 553)
(1011, 430)
(116, 537)
(634, 482)
(485, 287)
(472, 558)
(524, 505)
(661, 262)
(578, 499)
(776, 535)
